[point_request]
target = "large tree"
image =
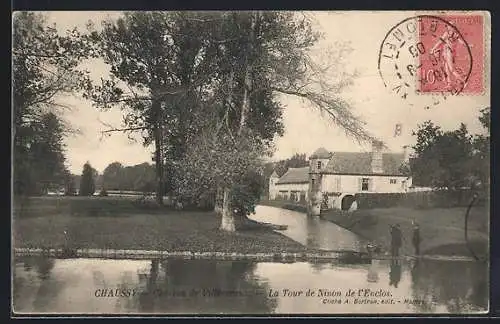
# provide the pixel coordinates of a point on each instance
(42, 165)
(261, 56)
(112, 176)
(159, 62)
(44, 66)
(481, 147)
(177, 75)
(451, 159)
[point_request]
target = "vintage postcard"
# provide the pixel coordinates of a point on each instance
(250, 162)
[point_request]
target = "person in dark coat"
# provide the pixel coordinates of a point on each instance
(396, 240)
(416, 238)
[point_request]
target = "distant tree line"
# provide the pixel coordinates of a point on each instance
(140, 177)
(116, 177)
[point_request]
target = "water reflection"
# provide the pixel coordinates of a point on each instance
(44, 285)
(204, 286)
(372, 275)
(462, 287)
(313, 232)
(395, 273)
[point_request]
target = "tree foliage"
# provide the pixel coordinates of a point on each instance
(159, 68)
(40, 161)
(70, 184)
(182, 76)
(450, 159)
(140, 177)
(262, 56)
(296, 161)
(87, 182)
(481, 149)
(44, 66)
(213, 162)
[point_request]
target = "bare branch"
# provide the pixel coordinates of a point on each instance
(124, 129)
(111, 129)
(338, 112)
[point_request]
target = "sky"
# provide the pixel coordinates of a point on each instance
(305, 128)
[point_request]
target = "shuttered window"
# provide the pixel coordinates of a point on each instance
(365, 184)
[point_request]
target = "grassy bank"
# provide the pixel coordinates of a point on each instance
(441, 229)
(114, 223)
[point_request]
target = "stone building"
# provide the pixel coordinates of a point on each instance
(333, 178)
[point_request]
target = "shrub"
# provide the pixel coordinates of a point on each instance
(295, 207)
(103, 193)
(423, 199)
(87, 183)
(203, 202)
(379, 200)
(246, 194)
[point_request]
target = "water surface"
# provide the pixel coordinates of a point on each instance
(45, 285)
(98, 286)
(311, 231)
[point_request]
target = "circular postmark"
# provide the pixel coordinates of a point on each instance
(424, 59)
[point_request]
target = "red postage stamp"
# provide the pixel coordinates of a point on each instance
(454, 57)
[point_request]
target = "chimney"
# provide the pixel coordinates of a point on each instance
(406, 154)
(377, 162)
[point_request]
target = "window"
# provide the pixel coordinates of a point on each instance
(283, 194)
(393, 181)
(312, 182)
(319, 165)
(364, 184)
(338, 186)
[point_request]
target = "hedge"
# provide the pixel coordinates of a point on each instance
(423, 199)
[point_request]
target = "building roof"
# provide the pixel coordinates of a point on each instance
(295, 175)
(360, 163)
(321, 153)
(274, 174)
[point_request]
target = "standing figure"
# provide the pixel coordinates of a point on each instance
(448, 43)
(396, 240)
(416, 238)
(354, 206)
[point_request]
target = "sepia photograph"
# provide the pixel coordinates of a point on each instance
(250, 163)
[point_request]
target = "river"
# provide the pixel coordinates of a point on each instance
(174, 286)
(313, 232)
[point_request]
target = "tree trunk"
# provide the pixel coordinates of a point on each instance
(228, 218)
(157, 133)
(245, 105)
(219, 197)
(228, 222)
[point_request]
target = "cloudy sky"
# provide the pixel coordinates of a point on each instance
(305, 128)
